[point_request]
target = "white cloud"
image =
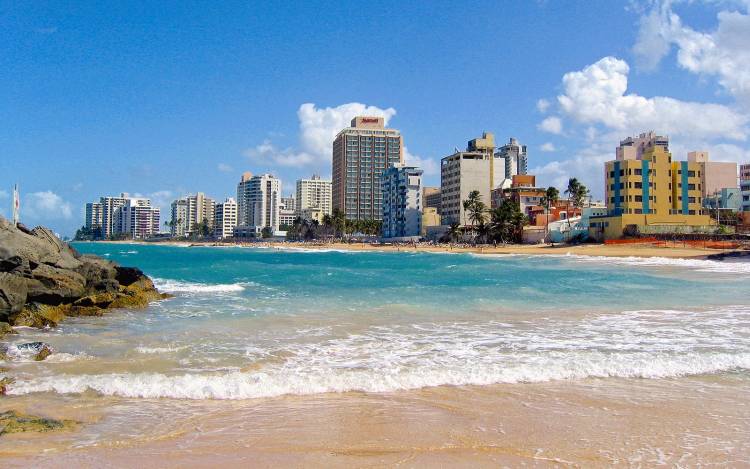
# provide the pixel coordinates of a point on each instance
(548, 147)
(4, 194)
(552, 124)
(596, 95)
(224, 168)
(429, 166)
(542, 105)
(318, 127)
(723, 53)
(46, 205)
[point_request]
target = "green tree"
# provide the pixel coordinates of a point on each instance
(550, 199)
(577, 194)
(507, 222)
(267, 232)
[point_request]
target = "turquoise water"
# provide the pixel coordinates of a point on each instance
(248, 323)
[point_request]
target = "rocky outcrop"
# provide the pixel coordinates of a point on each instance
(14, 422)
(43, 280)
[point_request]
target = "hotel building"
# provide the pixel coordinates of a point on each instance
(648, 192)
(467, 171)
(111, 214)
(225, 218)
(179, 219)
(190, 212)
(361, 154)
(402, 202)
(313, 193)
(258, 203)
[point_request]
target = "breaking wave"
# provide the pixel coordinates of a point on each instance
(176, 286)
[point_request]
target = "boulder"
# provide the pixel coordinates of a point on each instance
(5, 329)
(13, 294)
(128, 275)
(55, 286)
(43, 353)
(40, 315)
(14, 422)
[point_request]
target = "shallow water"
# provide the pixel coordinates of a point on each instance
(281, 329)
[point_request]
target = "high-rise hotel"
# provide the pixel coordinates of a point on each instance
(361, 154)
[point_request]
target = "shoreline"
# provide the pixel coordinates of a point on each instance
(593, 250)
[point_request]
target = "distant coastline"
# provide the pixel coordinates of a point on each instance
(594, 250)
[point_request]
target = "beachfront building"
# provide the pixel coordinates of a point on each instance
(361, 154)
(515, 158)
(715, 175)
(430, 218)
(745, 186)
(313, 193)
(258, 204)
(287, 211)
(138, 219)
(431, 198)
(647, 192)
(313, 214)
(94, 217)
(225, 218)
(467, 171)
(523, 191)
(111, 214)
(179, 219)
(402, 202)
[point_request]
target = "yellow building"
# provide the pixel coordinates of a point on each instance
(430, 217)
(651, 194)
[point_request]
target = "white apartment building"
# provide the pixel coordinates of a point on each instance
(179, 220)
(111, 214)
(287, 211)
(138, 219)
(225, 218)
(258, 203)
(478, 168)
(401, 187)
(314, 193)
(94, 216)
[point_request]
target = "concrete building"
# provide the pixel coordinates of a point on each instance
(724, 199)
(431, 198)
(715, 175)
(651, 193)
(430, 218)
(138, 219)
(258, 203)
(632, 148)
(402, 202)
(515, 158)
(179, 219)
(287, 211)
(314, 193)
(745, 186)
(466, 171)
(524, 192)
(225, 218)
(94, 216)
(111, 214)
(313, 214)
(361, 154)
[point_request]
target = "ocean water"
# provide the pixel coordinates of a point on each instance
(292, 358)
(255, 323)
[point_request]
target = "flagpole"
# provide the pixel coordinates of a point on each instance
(16, 205)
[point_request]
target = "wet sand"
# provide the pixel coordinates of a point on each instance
(590, 423)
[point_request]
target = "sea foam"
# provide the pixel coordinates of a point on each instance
(175, 286)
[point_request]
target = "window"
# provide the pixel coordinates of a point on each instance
(639, 198)
(638, 172)
(639, 185)
(691, 174)
(691, 187)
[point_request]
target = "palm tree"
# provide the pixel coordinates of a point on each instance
(577, 194)
(454, 231)
(549, 200)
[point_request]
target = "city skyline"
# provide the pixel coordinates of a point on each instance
(116, 105)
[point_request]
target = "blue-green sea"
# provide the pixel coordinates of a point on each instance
(260, 322)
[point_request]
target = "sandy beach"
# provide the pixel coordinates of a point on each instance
(672, 251)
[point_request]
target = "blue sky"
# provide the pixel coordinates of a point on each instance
(169, 98)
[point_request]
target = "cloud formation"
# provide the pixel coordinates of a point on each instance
(42, 206)
(317, 129)
(597, 95)
(548, 147)
(722, 53)
(552, 124)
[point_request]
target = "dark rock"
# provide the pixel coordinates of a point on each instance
(127, 276)
(56, 285)
(43, 353)
(40, 315)
(13, 294)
